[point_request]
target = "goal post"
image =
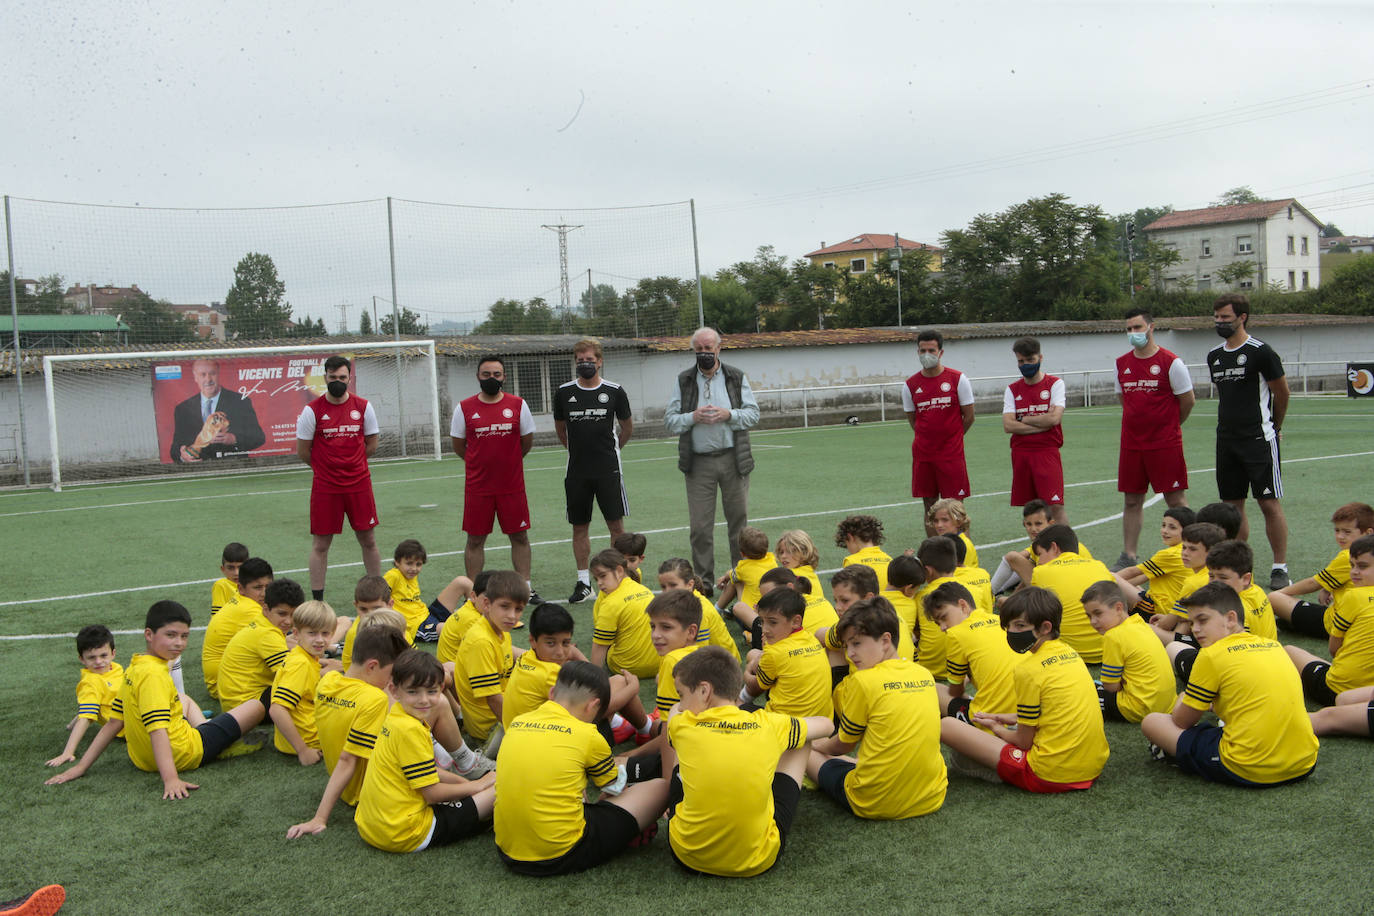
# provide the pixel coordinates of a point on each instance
(133, 414)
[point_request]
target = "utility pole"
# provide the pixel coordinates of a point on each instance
(343, 308)
(564, 292)
(1130, 254)
(896, 258)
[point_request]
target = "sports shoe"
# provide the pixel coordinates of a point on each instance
(240, 748)
(1278, 579)
(535, 600)
(581, 592)
(645, 739)
(480, 767)
(43, 902)
(706, 588)
(623, 732)
(1157, 752)
(1123, 561)
(967, 766)
(645, 838)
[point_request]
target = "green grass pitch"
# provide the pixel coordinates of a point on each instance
(1145, 837)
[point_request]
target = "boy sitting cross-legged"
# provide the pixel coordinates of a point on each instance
(255, 574)
(1171, 623)
(977, 654)
(543, 826)
(674, 616)
(890, 710)
(1058, 744)
(736, 775)
(350, 707)
(424, 622)
(255, 653)
(1251, 685)
(165, 731)
(792, 666)
(1310, 618)
(370, 593)
(620, 628)
(486, 657)
(1136, 676)
(1352, 635)
(408, 803)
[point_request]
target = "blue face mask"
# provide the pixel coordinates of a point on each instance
(1030, 369)
(1138, 339)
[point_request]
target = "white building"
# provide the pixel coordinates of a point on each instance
(1358, 244)
(1279, 237)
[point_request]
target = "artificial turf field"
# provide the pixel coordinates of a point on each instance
(1144, 838)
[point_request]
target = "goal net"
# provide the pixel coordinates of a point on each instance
(138, 414)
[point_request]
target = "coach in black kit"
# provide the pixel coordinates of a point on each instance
(1252, 398)
(592, 418)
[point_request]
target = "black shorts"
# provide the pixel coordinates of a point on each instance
(1199, 752)
(1110, 711)
(1248, 466)
(608, 491)
(454, 821)
(959, 709)
(786, 796)
(216, 735)
(831, 780)
(1308, 618)
(608, 833)
(1314, 683)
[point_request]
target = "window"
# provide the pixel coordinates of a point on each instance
(529, 381)
(1304, 244)
(1290, 245)
(1204, 282)
(1206, 248)
(1305, 284)
(1290, 212)
(858, 266)
(827, 263)
(1292, 280)
(1244, 244)
(1247, 284)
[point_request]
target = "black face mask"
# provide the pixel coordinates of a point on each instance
(490, 386)
(337, 389)
(586, 369)
(706, 361)
(1021, 640)
(1225, 329)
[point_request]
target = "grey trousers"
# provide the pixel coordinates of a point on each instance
(706, 476)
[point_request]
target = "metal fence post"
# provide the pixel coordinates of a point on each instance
(18, 351)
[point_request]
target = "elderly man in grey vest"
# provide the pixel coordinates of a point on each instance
(711, 411)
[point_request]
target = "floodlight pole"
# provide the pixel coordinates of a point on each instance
(18, 353)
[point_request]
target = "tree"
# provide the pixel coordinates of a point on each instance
(410, 324)
(598, 298)
(1241, 194)
(1350, 290)
(1154, 259)
(256, 302)
(48, 295)
(24, 300)
(307, 327)
(152, 321)
(1331, 231)
(1236, 271)
(365, 324)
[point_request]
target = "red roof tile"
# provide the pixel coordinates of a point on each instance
(870, 241)
(1207, 216)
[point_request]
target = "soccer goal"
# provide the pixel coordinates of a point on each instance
(143, 414)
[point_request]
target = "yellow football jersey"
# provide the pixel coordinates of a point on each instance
(1133, 656)
(392, 815)
(979, 584)
(547, 757)
(95, 693)
(455, 628)
(796, 673)
(977, 651)
(874, 557)
(1055, 695)
(485, 660)
(746, 575)
(970, 552)
(221, 593)
(619, 621)
(1352, 620)
(1335, 578)
(1167, 576)
(667, 688)
(1068, 576)
(528, 687)
(405, 598)
(348, 717)
(712, 631)
(1195, 580)
(149, 701)
(233, 616)
(1259, 614)
(1252, 686)
(892, 712)
(250, 662)
(293, 688)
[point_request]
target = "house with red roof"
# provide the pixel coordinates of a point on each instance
(1280, 238)
(862, 253)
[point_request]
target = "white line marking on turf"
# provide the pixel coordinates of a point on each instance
(28, 636)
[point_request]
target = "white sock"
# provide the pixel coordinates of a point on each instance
(616, 721)
(1279, 566)
(442, 757)
(648, 723)
(1004, 578)
(464, 757)
(175, 669)
(531, 585)
(584, 576)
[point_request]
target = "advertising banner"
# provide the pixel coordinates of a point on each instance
(233, 407)
(1359, 380)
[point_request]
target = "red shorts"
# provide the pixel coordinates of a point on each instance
(946, 478)
(327, 510)
(1164, 469)
(479, 509)
(1014, 769)
(1037, 473)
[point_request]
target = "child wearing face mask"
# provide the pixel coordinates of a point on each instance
(1032, 409)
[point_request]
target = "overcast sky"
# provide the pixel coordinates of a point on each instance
(789, 123)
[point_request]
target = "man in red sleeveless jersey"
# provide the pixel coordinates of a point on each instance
(939, 406)
(335, 434)
(1156, 397)
(1032, 411)
(492, 432)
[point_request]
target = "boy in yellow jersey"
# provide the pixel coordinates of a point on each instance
(371, 593)
(456, 627)
(350, 707)
(820, 614)
(634, 547)
(948, 516)
(891, 711)
(862, 536)
(1171, 624)
(1231, 563)
(165, 732)
(543, 825)
(674, 616)
(1058, 743)
(977, 654)
(1015, 568)
(939, 556)
(255, 653)
(677, 572)
(797, 552)
(486, 657)
(735, 775)
(292, 709)
(1136, 676)
(906, 578)
(101, 677)
(1352, 635)
(973, 578)
(620, 628)
(1165, 572)
(849, 585)
(741, 584)
(792, 666)
(255, 574)
(408, 803)
(1310, 618)
(1251, 685)
(423, 622)
(1061, 569)
(227, 586)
